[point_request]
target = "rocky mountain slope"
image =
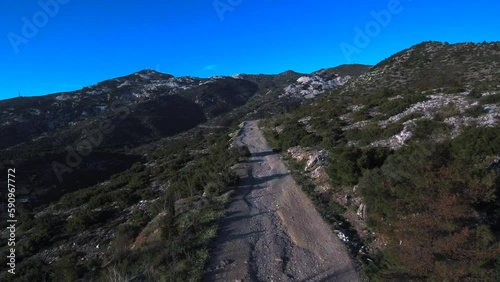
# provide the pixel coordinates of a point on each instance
(27, 119)
(411, 146)
(196, 100)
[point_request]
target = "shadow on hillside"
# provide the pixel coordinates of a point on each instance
(248, 161)
(263, 154)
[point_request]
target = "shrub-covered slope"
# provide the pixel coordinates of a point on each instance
(417, 138)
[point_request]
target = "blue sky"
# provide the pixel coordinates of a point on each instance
(74, 43)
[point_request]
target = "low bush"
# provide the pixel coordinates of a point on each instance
(490, 99)
(474, 111)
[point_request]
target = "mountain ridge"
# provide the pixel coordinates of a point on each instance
(40, 112)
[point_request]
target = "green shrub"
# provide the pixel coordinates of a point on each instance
(310, 140)
(454, 90)
(100, 200)
(361, 115)
(490, 99)
(447, 111)
(427, 129)
(391, 130)
(476, 92)
(37, 240)
(67, 268)
(474, 111)
(84, 219)
(343, 167)
(475, 143)
(364, 135)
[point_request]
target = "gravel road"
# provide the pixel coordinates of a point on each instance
(272, 231)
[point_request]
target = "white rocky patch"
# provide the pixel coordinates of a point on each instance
(311, 86)
(355, 108)
(341, 236)
(430, 107)
(63, 97)
(126, 83)
(396, 141)
(359, 124)
(490, 118)
(428, 110)
(144, 76)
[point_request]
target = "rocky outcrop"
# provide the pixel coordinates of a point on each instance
(430, 109)
(298, 153)
(311, 86)
(495, 165)
(362, 212)
(396, 141)
(315, 159)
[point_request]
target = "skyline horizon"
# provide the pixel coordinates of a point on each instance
(53, 46)
(19, 95)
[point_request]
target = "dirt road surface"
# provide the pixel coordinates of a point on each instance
(272, 232)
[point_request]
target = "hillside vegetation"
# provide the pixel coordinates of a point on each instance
(148, 222)
(417, 136)
(127, 179)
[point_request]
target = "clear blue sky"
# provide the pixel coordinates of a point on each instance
(79, 43)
